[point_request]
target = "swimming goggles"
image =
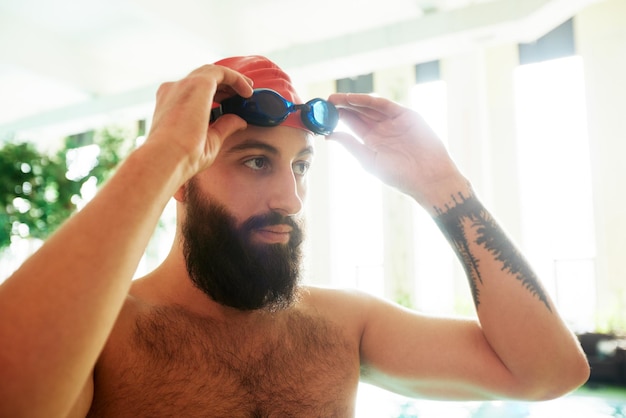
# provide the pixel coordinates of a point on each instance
(268, 108)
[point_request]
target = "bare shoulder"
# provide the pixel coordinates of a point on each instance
(340, 299)
(336, 299)
(349, 308)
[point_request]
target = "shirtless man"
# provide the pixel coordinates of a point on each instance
(222, 328)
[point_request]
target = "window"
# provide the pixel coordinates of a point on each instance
(558, 43)
(555, 183)
(555, 172)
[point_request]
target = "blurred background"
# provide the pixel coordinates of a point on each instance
(528, 96)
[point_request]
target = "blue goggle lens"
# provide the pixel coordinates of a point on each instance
(268, 108)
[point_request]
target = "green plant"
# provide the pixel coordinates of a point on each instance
(36, 193)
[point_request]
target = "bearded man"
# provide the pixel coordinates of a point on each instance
(223, 327)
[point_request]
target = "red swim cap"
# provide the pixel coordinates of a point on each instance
(265, 74)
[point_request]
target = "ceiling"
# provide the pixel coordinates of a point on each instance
(68, 59)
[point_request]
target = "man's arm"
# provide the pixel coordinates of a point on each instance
(519, 347)
(58, 308)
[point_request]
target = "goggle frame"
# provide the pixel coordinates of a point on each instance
(268, 108)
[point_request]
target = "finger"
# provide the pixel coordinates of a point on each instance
(342, 101)
(240, 84)
(372, 106)
(225, 78)
(227, 125)
(223, 92)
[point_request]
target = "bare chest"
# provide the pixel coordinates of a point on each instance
(176, 365)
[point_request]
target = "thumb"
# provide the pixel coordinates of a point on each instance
(227, 125)
(364, 155)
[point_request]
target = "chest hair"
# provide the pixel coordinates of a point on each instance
(176, 364)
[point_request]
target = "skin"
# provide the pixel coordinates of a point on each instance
(67, 308)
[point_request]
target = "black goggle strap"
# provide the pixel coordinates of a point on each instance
(216, 112)
(229, 105)
(241, 106)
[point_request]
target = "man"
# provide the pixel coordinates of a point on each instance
(222, 328)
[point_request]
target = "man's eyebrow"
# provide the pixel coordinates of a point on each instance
(309, 150)
(252, 144)
(259, 145)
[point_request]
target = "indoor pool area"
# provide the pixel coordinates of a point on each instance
(588, 402)
(216, 208)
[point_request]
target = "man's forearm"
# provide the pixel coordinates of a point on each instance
(63, 301)
(516, 313)
(467, 211)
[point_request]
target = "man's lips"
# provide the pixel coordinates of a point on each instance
(274, 233)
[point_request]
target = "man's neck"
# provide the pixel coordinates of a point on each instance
(170, 285)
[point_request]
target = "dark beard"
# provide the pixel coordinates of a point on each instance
(224, 263)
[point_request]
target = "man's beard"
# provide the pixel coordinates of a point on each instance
(224, 263)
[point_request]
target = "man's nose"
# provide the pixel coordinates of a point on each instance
(285, 194)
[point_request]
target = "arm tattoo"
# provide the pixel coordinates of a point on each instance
(451, 220)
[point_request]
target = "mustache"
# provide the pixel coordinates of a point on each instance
(268, 219)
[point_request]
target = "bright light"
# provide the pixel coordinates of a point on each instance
(555, 183)
(433, 258)
(355, 224)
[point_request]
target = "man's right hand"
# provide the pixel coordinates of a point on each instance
(180, 125)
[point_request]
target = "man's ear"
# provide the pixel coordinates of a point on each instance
(181, 193)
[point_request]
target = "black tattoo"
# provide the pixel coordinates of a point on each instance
(451, 220)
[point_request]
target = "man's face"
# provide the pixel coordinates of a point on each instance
(242, 233)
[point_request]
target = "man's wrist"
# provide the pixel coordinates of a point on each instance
(162, 164)
(441, 196)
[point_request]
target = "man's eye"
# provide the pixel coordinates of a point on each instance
(301, 167)
(257, 163)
